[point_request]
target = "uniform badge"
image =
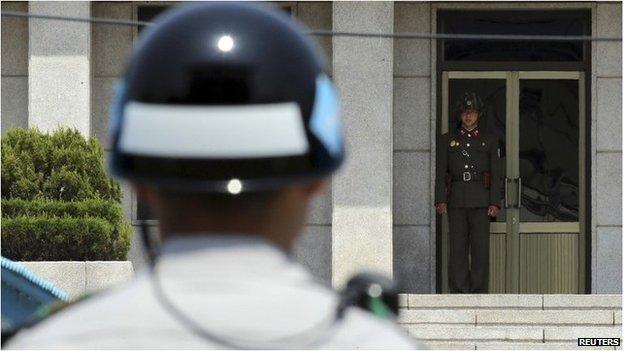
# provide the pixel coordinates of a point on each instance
(453, 143)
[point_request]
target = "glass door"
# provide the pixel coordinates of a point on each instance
(493, 88)
(550, 182)
(536, 241)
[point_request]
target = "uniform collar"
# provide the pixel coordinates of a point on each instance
(189, 243)
(474, 132)
(222, 255)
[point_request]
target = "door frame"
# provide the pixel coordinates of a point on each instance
(514, 227)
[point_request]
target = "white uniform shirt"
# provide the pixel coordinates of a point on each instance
(237, 287)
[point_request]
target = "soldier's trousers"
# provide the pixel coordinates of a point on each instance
(469, 232)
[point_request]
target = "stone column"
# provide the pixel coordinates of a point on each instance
(607, 152)
(362, 191)
(59, 73)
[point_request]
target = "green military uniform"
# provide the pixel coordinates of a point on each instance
(468, 180)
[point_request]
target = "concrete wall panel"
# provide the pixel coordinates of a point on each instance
(57, 99)
(320, 211)
(411, 114)
(111, 44)
(317, 15)
(609, 54)
(14, 103)
(609, 188)
(102, 94)
(14, 40)
(609, 114)
(59, 38)
(362, 191)
(68, 276)
(59, 70)
(411, 259)
(411, 200)
(411, 56)
(104, 275)
(313, 249)
(609, 256)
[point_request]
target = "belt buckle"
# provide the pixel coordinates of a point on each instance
(467, 176)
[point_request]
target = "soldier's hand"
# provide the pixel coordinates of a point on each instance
(441, 207)
(492, 211)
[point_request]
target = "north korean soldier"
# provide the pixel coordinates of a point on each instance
(468, 189)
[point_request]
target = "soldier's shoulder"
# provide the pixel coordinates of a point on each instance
(64, 330)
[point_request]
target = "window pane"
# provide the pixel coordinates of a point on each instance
(549, 150)
(566, 23)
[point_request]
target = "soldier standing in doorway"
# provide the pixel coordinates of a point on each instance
(468, 189)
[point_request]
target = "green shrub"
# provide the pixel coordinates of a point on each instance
(64, 239)
(58, 203)
(58, 166)
(105, 209)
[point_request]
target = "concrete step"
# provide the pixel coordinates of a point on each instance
(454, 345)
(448, 345)
(500, 321)
(510, 318)
(550, 317)
(459, 333)
(547, 317)
(536, 346)
(511, 346)
(582, 301)
(438, 333)
(510, 301)
(446, 316)
(468, 301)
(573, 333)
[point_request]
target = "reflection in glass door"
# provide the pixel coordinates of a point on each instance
(536, 241)
(550, 165)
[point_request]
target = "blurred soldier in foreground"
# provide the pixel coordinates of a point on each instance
(226, 124)
(468, 189)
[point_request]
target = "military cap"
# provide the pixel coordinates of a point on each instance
(470, 101)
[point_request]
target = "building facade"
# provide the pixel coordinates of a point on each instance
(556, 108)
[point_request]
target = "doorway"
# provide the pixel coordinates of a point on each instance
(537, 241)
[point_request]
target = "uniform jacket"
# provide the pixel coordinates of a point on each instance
(460, 152)
(237, 287)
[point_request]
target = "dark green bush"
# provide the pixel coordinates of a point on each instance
(58, 166)
(105, 209)
(58, 203)
(64, 239)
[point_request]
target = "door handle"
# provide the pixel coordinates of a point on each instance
(506, 193)
(519, 192)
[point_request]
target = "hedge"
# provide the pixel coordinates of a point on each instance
(64, 239)
(58, 166)
(105, 209)
(58, 203)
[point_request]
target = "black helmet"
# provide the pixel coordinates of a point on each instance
(470, 101)
(222, 94)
